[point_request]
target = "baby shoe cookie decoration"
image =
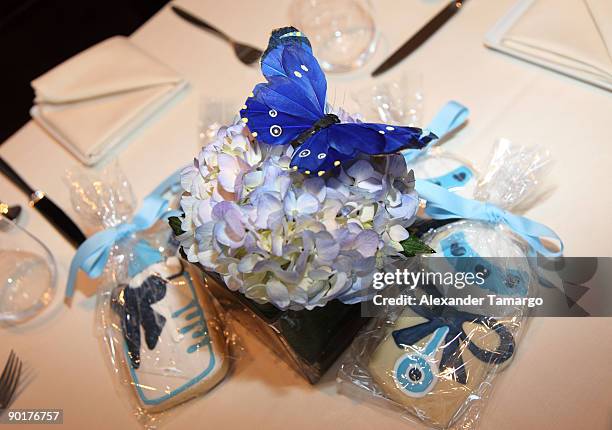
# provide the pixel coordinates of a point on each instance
(181, 355)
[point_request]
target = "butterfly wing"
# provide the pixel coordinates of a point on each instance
(397, 138)
(340, 142)
(281, 37)
(317, 155)
(289, 55)
(274, 115)
(293, 99)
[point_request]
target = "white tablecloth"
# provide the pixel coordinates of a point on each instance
(560, 378)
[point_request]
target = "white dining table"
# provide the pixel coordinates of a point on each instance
(560, 377)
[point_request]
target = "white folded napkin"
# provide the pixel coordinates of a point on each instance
(93, 101)
(571, 36)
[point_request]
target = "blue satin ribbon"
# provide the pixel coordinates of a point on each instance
(143, 256)
(443, 204)
(92, 255)
(447, 120)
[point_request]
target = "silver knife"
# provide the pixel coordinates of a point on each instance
(421, 36)
(44, 205)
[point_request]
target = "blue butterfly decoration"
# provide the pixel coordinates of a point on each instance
(290, 109)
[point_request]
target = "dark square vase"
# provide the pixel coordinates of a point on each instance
(308, 340)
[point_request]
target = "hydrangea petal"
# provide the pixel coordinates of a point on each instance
(253, 179)
(398, 233)
(408, 208)
(316, 187)
(278, 293)
(307, 204)
(366, 243)
(360, 171)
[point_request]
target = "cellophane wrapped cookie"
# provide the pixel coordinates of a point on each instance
(435, 365)
(166, 337)
(436, 362)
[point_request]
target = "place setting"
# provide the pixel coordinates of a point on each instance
(339, 215)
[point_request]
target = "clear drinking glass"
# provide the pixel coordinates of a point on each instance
(27, 273)
(342, 32)
(214, 113)
(398, 100)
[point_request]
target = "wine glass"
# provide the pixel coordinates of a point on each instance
(342, 32)
(213, 114)
(398, 100)
(27, 273)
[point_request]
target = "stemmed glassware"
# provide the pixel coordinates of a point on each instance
(27, 273)
(398, 100)
(213, 113)
(342, 32)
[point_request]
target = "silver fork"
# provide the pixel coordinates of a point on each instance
(245, 53)
(9, 379)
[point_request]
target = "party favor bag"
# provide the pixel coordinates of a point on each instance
(165, 336)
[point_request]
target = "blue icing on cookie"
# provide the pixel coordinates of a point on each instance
(511, 282)
(179, 312)
(133, 305)
(413, 372)
(455, 337)
(456, 178)
(199, 324)
(199, 333)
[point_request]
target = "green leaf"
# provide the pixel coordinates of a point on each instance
(175, 225)
(413, 246)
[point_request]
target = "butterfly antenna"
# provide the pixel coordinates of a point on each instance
(335, 93)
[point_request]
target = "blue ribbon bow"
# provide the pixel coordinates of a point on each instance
(92, 255)
(448, 119)
(443, 204)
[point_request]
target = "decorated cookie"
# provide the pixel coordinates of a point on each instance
(479, 238)
(433, 360)
(173, 348)
(493, 253)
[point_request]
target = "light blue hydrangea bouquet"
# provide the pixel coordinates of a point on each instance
(280, 236)
(298, 203)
